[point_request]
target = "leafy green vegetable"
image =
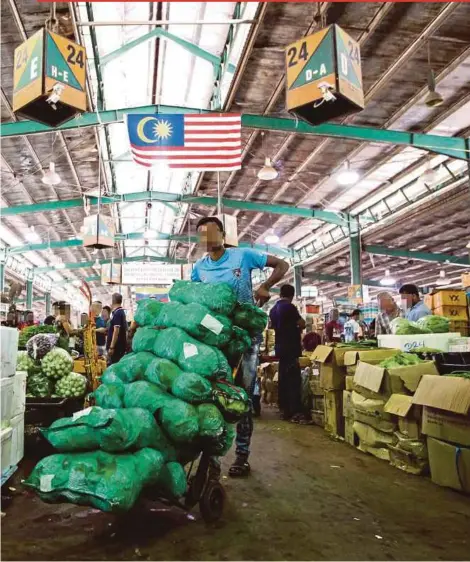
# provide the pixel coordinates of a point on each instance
(24, 362)
(30, 331)
(72, 385)
(403, 327)
(57, 363)
(38, 385)
(400, 359)
(462, 374)
(435, 324)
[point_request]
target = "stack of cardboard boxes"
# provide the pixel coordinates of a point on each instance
(267, 345)
(318, 396)
(268, 375)
(453, 305)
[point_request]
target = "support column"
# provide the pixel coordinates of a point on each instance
(29, 294)
(298, 280)
(48, 304)
(2, 276)
(355, 251)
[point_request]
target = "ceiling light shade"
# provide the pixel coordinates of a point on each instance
(149, 234)
(272, 238)
(388, 280)
(97, 264)
(31, 235)
(433, 98)
(267, 172)
(347, 176)
(442, 279)
(60, 265)
(51, 177)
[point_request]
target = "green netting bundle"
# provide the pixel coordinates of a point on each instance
(109, 377)
(108, 482)
(180, 421)
(236, 347)
(131, 367)
(218, 297)
(110, 395)
(144, 339)
(435, 324)
(162, 372)
(192, 356)
(232, 401)
(143, 394)
(172, 480)
(211, 422)
(198, 321)
(250, 317)
(191, 388)
(109, 430)
(147, 312)
(221, 446)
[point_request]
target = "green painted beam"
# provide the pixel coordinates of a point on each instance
(29, 293)
(450, 146)
(84, 264)
(158, 196)
(411, 254)
(355, 252)
(338, 279)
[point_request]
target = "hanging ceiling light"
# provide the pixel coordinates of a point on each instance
(31, 235)
(97, 264)
(150, 234)
(433, 98)
(271, 238)
(51, 177)
(442, 279)
(430, 176)
(267, 172)
(388, 280)
(347, 176)
(60, 265)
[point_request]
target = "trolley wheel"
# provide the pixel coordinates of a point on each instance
(212, 502)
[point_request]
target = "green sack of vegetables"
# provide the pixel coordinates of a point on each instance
(72, 385)
(434, 324)
(191, 388)
(143, 394)
(232, 401)
(162, 372)
(57, 363)
(195, 357)
(147, 312)
(180, 421)
(38, 384)
(144, 340)
(132, 366)
(172, 480)
(109, 395)
(218, 297)
(236, 347)
(250, 317)
(211, 422)
(403, 327)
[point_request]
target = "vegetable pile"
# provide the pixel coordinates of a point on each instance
(435, 324)
(30, 331)
(24, 361)
(38, 346)
(431, 324)
(57, 363)
(400, 359)
(72, 385)
(461, 374)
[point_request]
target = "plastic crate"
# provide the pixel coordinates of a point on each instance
(447, 363)
(44, 411)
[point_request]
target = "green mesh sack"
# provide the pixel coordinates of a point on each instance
(132, 366)
(191, 388)
(231, 400)
(143, 394)
(198, 321)
(144, 339)
(172, 480)
(162, 372)
(105, 481)
(221, 445)
(192, 356)
(250, 317)
(236, 347)
(109, 395)
(180, 421)
(147, 312)
(109, 430)
(109, 377)
(218, 297)
(211, 422)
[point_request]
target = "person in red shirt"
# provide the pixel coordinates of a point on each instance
(29, 320)
(333, 328)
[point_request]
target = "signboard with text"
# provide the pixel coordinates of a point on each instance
(141, 273)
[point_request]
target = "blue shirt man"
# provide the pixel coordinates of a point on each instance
(234, 266)
(414, 307)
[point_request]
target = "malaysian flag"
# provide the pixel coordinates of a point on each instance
(209, 141)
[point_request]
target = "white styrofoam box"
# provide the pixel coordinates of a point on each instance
(7, 386)
(6, 435)
(19, 393)
(17, 439)
(406, 343)
(8, 351)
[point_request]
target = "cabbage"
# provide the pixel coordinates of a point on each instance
(403, 327)
(436, 324)
(400, 359)
(24, 362)
(38, 385)
(72, 385)
(57, 363)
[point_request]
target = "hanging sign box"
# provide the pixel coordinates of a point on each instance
(157, 293)
(111, 273)
(152, 273)
(98, 232)
(323, 76)
(49, 79)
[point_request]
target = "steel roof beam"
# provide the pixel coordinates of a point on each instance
(415, 255)
(85, 264)
(337, 279)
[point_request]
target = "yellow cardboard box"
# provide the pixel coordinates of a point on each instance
(452, 312)
(334, 421)
(448, 297)
(449, 464)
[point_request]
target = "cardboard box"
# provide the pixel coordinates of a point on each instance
(315, 387)
(318, 418)
(349, 433)
(370, 411)
(385, 382)
(429, 301)
(305, 362)
(405, 343)
(452, 312)
(449, 464)
(447, 297)
(460, 326)
(349, 382)
(334, 421)
(348, 408)
(406, 461)
(446, 413)
(318, 403)
(408, 415)
(372, 356)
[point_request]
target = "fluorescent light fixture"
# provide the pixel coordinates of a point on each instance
(150, 234)
(388, 280)
(31, 235)
(442, 279)
(347, 176)
(267, 172)
(272, 238)
(51, 177)
(59, 265)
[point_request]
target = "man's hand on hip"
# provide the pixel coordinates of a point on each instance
(262, 295)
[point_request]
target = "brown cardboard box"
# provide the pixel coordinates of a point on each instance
(350, 382)
(349, 434)
(305, 362)
(452, 298)
(446, 413)
(460, 326)
(372, 356)
(318, 418)
(429, 301)
(400, 380)
(406, 461)
(408, 414)
(318, 403)
(371, 412)
(315, 387)
(452, 312)
(348, 409)
(334, 421)
(450, 465)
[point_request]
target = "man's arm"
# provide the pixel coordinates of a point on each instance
(280, 268)
(114, 338)
(301, 323)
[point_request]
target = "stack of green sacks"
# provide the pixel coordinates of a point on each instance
(159, 407)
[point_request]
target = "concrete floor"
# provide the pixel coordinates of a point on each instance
(308, 498)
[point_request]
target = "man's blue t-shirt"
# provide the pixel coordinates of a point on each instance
(100, 338)
(234, 268)
(285, 318)
(118, 318)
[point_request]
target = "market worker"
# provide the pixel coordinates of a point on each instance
(414, 307)
(389, 310)
(288, 325)
(234, 266)
(100, 326)
(117, 332)
(49, 320)
(106, 315)
(333, 328)
(352, 328)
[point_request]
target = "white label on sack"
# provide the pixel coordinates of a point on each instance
(81, 413)
(45, 482)
(212, 324)
(315, 371)
(189, 350)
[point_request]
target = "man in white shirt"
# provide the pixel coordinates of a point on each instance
(352, 328)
